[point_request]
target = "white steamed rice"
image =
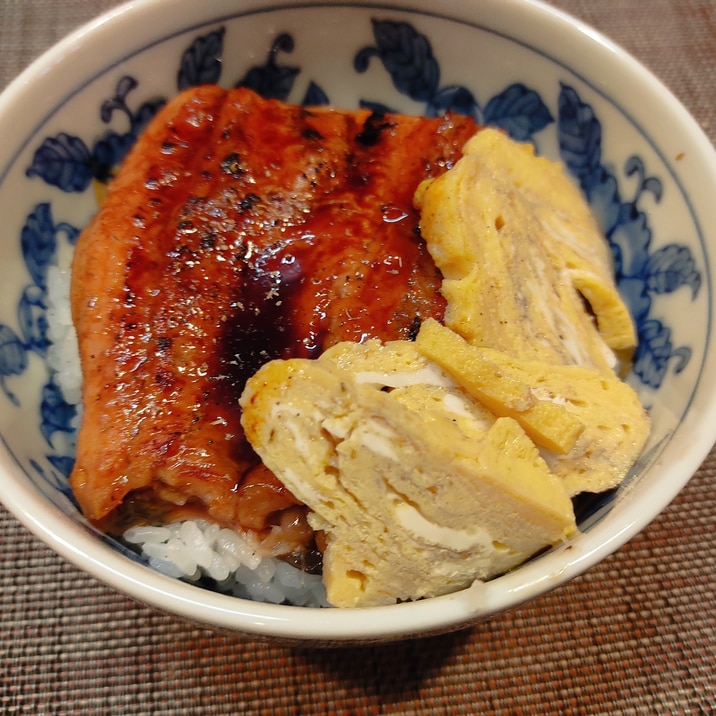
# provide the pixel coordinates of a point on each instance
(194, 550)
(197, 549)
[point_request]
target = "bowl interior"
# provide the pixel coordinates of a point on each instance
(72, 116)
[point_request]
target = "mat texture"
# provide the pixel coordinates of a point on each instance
(635, 635)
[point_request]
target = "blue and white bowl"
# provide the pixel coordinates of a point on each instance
(645, 166)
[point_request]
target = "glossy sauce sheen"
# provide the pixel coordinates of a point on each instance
(238, 230)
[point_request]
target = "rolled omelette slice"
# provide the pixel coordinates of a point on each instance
(418, 491)
(590, 425)
(520, 253)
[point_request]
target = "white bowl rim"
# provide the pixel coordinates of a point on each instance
(334, 625)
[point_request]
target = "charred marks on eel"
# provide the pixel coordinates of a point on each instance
(373, 129)
(233, 165)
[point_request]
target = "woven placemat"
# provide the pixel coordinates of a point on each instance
(635, 635)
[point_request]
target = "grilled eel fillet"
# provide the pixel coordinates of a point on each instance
(238, 230)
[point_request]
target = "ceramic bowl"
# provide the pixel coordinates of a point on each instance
(646, 168)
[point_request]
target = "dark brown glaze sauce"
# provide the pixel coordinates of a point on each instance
(239, 230)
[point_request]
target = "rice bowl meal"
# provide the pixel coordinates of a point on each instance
(205, 240)
(371, 347)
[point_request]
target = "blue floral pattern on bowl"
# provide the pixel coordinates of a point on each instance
(73, 165)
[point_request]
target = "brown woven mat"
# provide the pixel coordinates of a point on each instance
(635, 635)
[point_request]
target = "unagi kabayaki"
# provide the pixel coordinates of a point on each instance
(238, 230)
